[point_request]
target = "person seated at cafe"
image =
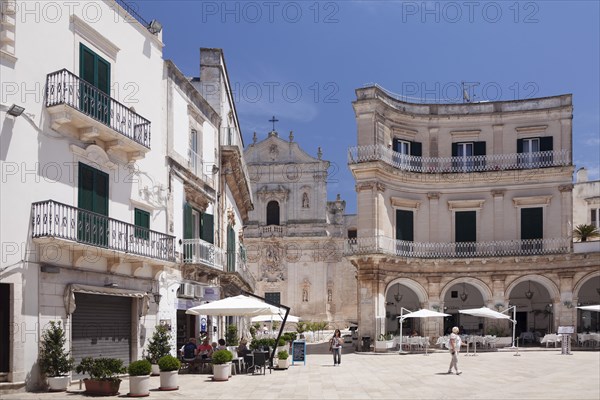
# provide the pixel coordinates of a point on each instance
(221, 345)
(189, 350)
(414, 333)
(242, 349)
(205, 350)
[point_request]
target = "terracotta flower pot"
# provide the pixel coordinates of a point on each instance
(102, 387)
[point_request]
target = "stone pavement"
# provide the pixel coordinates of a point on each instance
(494, 375)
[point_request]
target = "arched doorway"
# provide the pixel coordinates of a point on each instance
(587, 295)
(535, 314)
(397, 297)
(462, 296)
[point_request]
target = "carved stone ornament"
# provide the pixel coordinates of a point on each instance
(279, 193)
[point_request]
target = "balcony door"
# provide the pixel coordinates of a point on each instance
(532, 228)
(94, 89)
(465, 231)
(198, 225)
(404, 232)
(92, 217)
(230, 249)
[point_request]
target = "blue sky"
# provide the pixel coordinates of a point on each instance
(301, 61)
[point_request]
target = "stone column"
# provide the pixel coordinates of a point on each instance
(567, 309)
(433, 141)
(498, 227)
(497, 147)
(566, 209)
(565, 139)
(434, 198)
(434, 326)
(371, 301)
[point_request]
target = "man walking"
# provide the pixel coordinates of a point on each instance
(454, 346)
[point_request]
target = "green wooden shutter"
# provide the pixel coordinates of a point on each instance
(85, 190)
(94, 70)
(207, 229)
(142, 220)
(230, 249)
(188, 230)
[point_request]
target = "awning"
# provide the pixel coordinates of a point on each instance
(70, 290)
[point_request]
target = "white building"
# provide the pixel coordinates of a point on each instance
(208, 194)
(84, 192)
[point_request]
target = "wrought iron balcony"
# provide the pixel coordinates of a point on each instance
(51, 219)
(198, 251)
(401, 248)
(236, 264)
(199, 168)
(436, 165)
(97, 115)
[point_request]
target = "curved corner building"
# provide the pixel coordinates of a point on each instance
(463, 206)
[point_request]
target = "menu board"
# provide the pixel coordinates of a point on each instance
(299, 351)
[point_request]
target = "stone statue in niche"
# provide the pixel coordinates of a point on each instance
(329, 295)
(305, 203)
(305, 295)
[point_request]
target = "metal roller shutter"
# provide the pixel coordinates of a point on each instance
(101, 327)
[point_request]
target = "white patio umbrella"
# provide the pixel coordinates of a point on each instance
(590, 308)
(422, 313)
(275, 317)
(489, 313)
(235, 306)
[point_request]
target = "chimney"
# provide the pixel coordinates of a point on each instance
(582, 175)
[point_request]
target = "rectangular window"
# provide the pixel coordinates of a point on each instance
(468, 156)
(404, 231)
(94, 72)
(532, 228)
(195, 156)
(142, 224)
(595, 217)
(273, 297)
(405, 148)
(535, 152)
(465, 231)
(92, 225)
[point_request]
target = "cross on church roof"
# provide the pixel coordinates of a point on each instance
(273, 120)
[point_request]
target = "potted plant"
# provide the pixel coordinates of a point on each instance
(583, 232)
(282, 360)
(55, 362)
(139, 378)
(221, 360)
(158, 347)
(169, 367)
(231, 336)
(103, 372)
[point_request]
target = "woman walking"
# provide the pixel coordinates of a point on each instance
(335, 345)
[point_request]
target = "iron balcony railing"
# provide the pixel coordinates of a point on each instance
(493, 162)
(64, 87)
(57, 220)
(197, 166)
(401, 248)
(198, 251)
(236, 262)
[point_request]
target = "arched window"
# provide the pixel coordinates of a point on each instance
(273, 213)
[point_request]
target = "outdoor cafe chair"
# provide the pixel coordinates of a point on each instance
(261, 362)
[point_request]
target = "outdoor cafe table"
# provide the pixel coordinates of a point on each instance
(551, 338)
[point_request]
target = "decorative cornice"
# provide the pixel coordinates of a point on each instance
(280, 193)
(532, 200)
(95, 154)
(405, 203)
(464, 204)
(473, 133)
(94, 37)
(380, 187)
(531, 129)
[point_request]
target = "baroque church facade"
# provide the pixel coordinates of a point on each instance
(294, 237)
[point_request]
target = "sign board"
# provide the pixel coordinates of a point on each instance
(299, 351)
(566, 329)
